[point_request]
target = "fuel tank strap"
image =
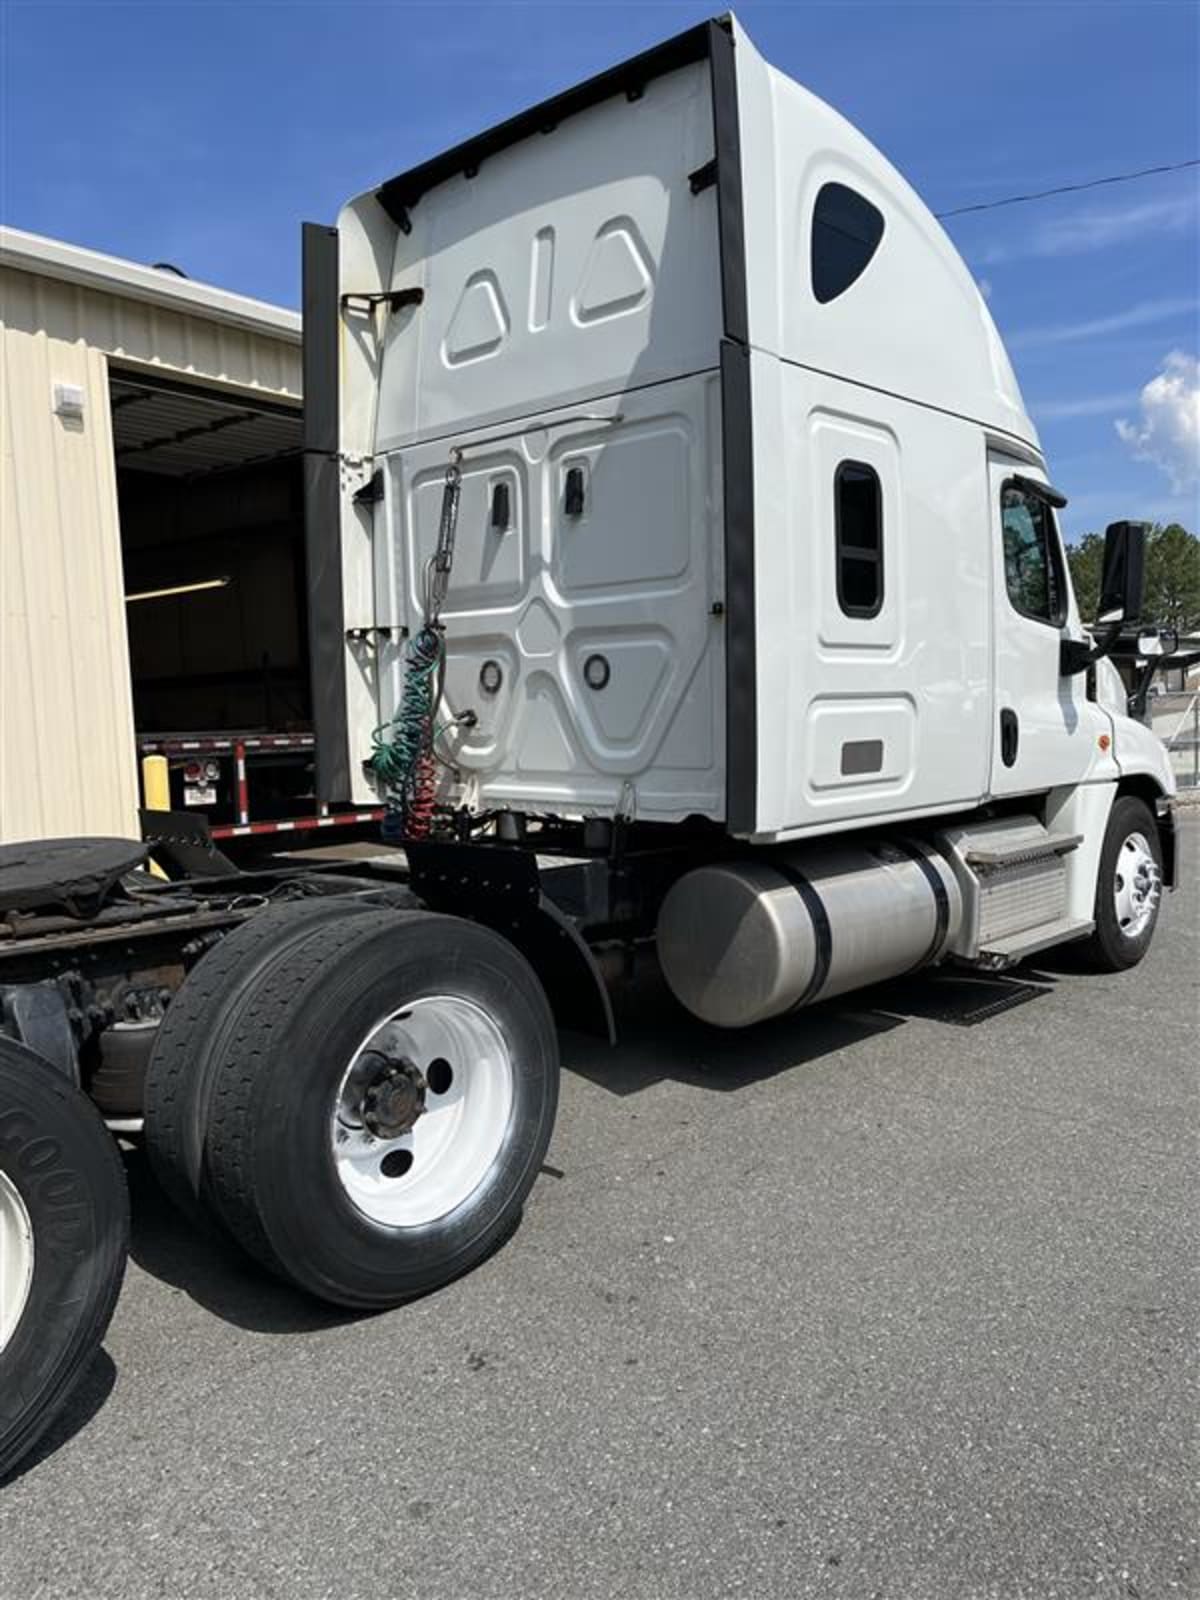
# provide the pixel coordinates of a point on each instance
(822, 933)
(941, 900)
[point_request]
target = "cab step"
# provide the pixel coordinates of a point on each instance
(1000, 954)
(1013, 878)
(1023, 846)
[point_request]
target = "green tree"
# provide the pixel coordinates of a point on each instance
(1086, 560)
(1172, 576)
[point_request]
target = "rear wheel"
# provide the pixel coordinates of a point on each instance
(64, 1232)
(384, 1105)
(1128, 888)
(190, 1040)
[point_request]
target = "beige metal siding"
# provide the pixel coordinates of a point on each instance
(67, 759)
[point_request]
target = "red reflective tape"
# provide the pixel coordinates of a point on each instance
(229, 830)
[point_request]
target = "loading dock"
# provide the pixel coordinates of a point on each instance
(209, 491)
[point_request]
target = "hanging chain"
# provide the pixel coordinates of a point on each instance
(437, 570)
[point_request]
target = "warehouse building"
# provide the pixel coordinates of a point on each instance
(152, 570)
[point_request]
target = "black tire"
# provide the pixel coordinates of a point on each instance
(61, 1161)
(189, 1043)
(270, 1151)
(1110, 948)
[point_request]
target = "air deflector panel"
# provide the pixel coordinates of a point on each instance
(571, 266)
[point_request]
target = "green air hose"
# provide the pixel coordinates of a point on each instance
(403, 756)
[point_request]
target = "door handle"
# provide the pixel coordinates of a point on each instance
(573, 494)
(501, 515)
(1010, 736)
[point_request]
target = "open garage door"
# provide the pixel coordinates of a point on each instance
(210, 494)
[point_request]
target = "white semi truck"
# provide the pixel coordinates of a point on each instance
(685, 574)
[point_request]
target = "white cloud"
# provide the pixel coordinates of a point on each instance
(1094, 228)
(1092, 405)
(1148, 311)
(1168, 432)
(985, 288)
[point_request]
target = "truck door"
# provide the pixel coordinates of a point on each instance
(1046, 731)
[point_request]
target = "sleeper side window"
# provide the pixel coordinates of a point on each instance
(858, 528)
(1032, 565)
(846, 230)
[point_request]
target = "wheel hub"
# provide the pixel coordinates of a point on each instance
(1137, 886)
(394, 1098)
(421, 1112)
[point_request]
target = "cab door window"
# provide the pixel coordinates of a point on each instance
(1033, 570)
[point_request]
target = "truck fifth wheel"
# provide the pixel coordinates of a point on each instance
(685, 574)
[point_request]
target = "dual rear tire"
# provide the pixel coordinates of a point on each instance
(361, 1097)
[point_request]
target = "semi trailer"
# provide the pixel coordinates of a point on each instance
(685, 576)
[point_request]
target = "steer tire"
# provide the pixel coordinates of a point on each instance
(190, 1039)
(62, 1191)
(1111, 948)
(274, 1140)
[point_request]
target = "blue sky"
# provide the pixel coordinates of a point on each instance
(204, 131)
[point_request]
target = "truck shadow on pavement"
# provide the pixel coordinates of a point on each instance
(659, 1041)
(87, 1398)
(195, 1260)
(211, 1270)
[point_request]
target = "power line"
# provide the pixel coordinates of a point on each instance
(1068, 188)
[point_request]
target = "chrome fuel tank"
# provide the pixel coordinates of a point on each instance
(741, 941)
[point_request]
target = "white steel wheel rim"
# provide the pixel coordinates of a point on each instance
(16, 1258)
(1137, 886)
(417, 1176)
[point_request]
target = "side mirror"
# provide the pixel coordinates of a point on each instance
(1122, 589)
(1123, 583)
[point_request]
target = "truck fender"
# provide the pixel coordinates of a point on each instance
(506, 897)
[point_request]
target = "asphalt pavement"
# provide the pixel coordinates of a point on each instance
(894, 1300)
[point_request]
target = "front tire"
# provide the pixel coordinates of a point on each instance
(384, 1105)
(64, 1235)
(1128, 888)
